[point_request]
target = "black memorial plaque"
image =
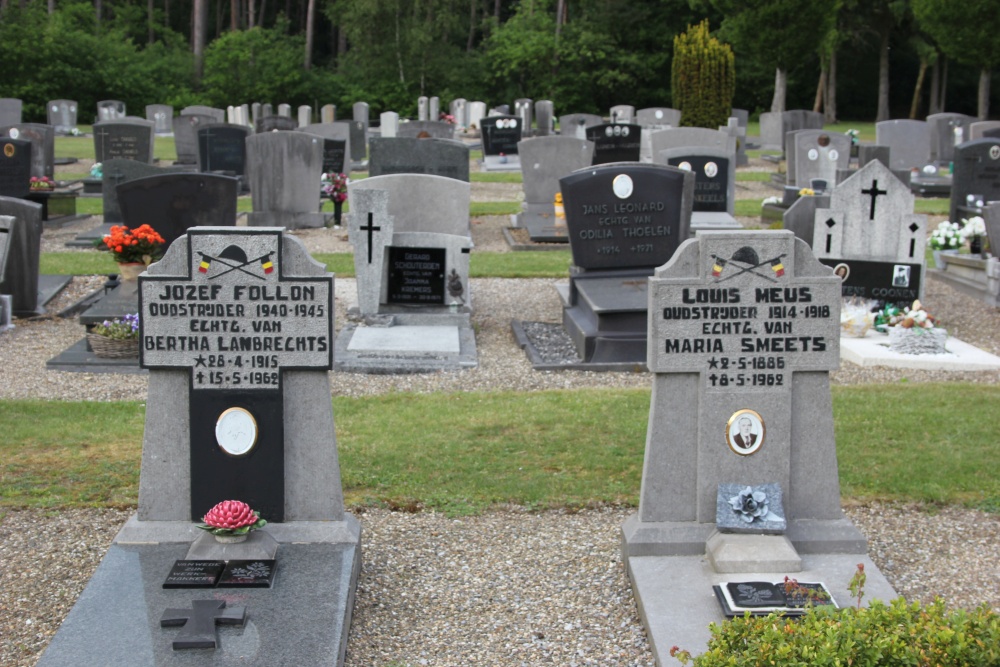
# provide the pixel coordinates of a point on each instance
(222, 148)
(625, 215)
(15, 167)
(248, 574)
(334, 154)
(616, 142)
(416, 276)
(194, 574)
(897, 283)
(711, 181)
(763, 597)
(236, 322)
(977, 172)
(501, 134)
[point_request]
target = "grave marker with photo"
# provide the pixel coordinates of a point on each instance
(127, 139)
(976, 180)
(501, 135)
(162, 117)
(615, 142)
(43, 141)
(62, 115)
(714, 185)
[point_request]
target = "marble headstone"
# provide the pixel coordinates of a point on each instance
(909, 142)
(62, 115)
(128, 139)
(404, 155)
(284, 170)
(162, 117)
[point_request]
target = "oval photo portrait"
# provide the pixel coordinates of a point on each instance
(745, 432)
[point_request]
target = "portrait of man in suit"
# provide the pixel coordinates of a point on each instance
(745, 432)
(746, 438)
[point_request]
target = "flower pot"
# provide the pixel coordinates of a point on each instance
(129, 271)
(231, 539)
(976, 245)
(338, 209)
(113, 348)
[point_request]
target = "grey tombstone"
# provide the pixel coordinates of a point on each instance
(984, 128)
(991, 216)
(771, 369)
(231, 115)
(976, 178)
(615, 142)
(741, 115)
(337, 144)
(110, 110)
(389, 124)
(869, 152)
(186, 136)
(818, 154)
(658, 117)
(21, 223)
(128, 139)
(201, 110)
(276, 123)
(15, 167)
(947, 131)
(523, 110)
(576, 124)
(800, 217)
(187, 456)
(714, 185)
(328, 113)
(459, 109)
(359, 142)
(284, 170)
(423, 112)
(255, 113)
(434, 108)
(243, 116)
(623, 220)
(909, 142)
(62, 115)
(162, 117)
(803, 119)
(544, 118)
(501, 135)
(411, 241)
(43, 141)
(739, 135)
(305, 115)
(408, 155)
(285, 110)
(10, 111)
(222, 149)
(477, 112)
(772, 131)
(685, 137)
(116, 172)
(433, 129)
(361, 113)
(623, 113)
(266, 110)
(871, 229)
(545, 160)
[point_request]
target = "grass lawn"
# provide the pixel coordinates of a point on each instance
(920, 443)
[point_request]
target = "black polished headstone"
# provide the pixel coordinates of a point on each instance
(897, 283)
(128, 139)
(194, 574)
(334, 156)
(43, 141)
(711, 181)
(248, 574)
(616, 142)
(173, 203)
(404, 155)
(222, 148)
(198, 623)
(977, 172)
(15, 167)
(117, 172)
(501, 134)
(20, 274)
(416, 276)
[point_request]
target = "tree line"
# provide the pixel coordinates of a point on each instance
(855, 59)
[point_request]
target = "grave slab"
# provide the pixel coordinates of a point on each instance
(873, 350)
(406, 339)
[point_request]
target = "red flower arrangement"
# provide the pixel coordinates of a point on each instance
(142, 244)
(232, 517)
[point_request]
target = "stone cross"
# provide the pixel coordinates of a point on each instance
(873, 192)
(371, 206)
(198, 623)
(370, 229)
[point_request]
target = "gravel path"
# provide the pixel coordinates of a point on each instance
(507, 588)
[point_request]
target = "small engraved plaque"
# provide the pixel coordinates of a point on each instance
(194, 574)
(248, 574)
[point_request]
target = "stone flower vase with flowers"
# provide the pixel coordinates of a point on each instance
(133, 249)
(973, 231)
(335, 189)
(945, 239)
(115, 339)
(231, 521)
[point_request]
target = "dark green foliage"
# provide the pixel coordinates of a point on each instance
(965, 31)
(703, 78)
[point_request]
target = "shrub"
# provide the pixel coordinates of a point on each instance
(703, 78)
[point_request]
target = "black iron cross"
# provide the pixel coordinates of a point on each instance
(199, 622)
(874, 192)
(370, 229)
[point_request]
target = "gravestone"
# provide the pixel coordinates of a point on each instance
(328, 113)
(686, 137)
(15, 167)
(389, 124)
(201, 110)
(43, 142)
(976, 178)
(871, 236)
(433, 108)
(10, 111)
(359, 143)
(623, 219)
(256, 112)
(576, 124)
(459, 109)
(816, 154)
(623, 113)
(501, 135)
(21, 224)
(423, 110)
(544, 118)
(362, 112)
(285, 110)
(404, 155)
(411, 241)
(186, 128)
(615, 142)
(257, 426)
(276, 124)
(62, 115)
(774, 126)
(162, 117)
(426, 129)
(742, 116)
(909, 142)
(714, 185)
(243, 116)
(544, 161)
(231, 115)
(800, 217)
(739, 135)
(522, 109)
(284, 170)
(983, 129)
(742, 326)
(266, 110)
(305, 115)
(110, 110)
(658, 117)
(127, 139)
(477, 112)
(117, 172)
(174, 202)
(336, 145)
(222, 149)
(947, 131)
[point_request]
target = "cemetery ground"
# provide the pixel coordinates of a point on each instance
(508, 553)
